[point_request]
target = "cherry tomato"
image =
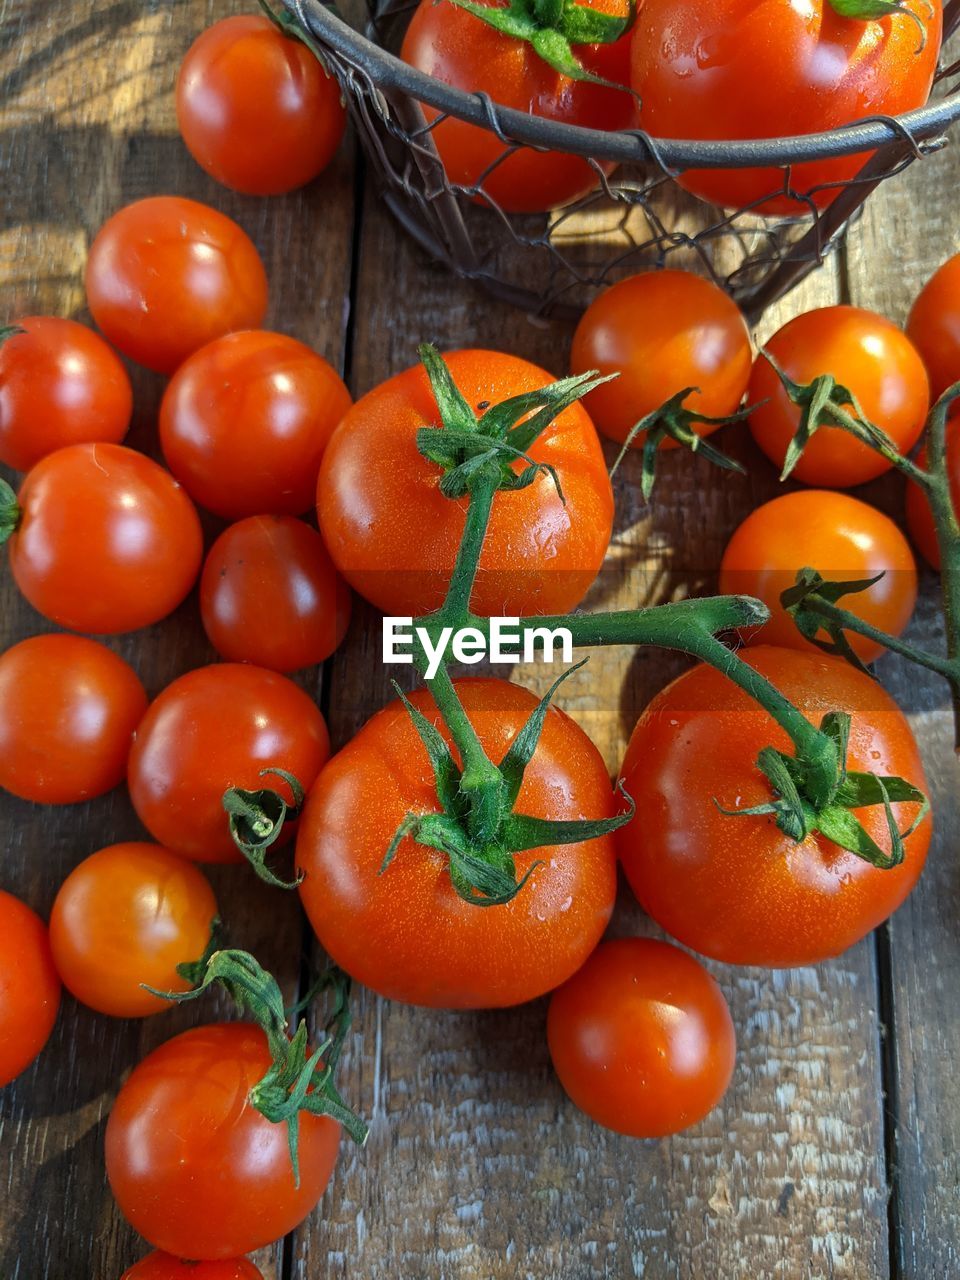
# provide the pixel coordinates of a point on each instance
(276, 569)
(844, 540)
(736, 888)
(642, 1039)
(865, 353)
(462, 50)
(194, 1167)
(107, 541)
(68, 709)
(256, 108)
(933, 326)
(662, 331)
(406, 933)
(29, 987)
(166, 275)
(919, 516)
(245, 421)
(213, 729)
(60, 384)
(161, 1266)
(775, 68)
(125, 917)
(393, 535)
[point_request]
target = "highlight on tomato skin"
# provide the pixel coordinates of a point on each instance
(641, 1038)
(29, 987)
(163, 1266)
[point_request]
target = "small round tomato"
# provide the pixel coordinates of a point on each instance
(213, 729)
(662, 332)
(736, 888)
(274, 568)
(776, 68)
(919, 516)
(406, 933)
(642, 1039)
(393, 535)
(245, 421)
(256, 108)
(167, 275)
(845, 540)
(106, 542)
(68, 709)
(163, 1266)
(29, 987)
(462, 50)
(125, 918)
(60, 384)
(933, 326)
(865, 353)
(194, 1166)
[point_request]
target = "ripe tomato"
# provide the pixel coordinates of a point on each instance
(213, 729)
(60, 384)
(642, 1039)
(245, 421)
(919, 516)
(194, 1167)
(256, 109)
(167, 275)
(662, 331)
(933, 326)
(464, 51)
(737, 888)
(126, 916)
(769, 68)
(406, 933)
(393, 535)
(844, 540)
(68, 709)
(162, 1266)
(865, 353)
(107, 541)
(29, 987)
(276, 568)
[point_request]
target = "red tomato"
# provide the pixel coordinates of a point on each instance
(245, 421)
(662, 331)
(213, 729)
(276, 568)
(29, 987)
(161, 1266)
(737, 888)
(462, 50)
(742, 69)
(60, 384)
(194, 1167)
(166, 275)
(865, 353)
(256, 109)
(125, 917)
(844, 540)
(393, 535)
(406, 933)
(642, 1039)
(934, 326)
(68, 709)
(919, 516)
(107, 541)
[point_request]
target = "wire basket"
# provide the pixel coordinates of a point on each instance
(638, 216)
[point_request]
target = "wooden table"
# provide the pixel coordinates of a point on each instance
(835, 1153)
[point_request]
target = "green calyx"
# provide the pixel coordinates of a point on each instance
(297, 1081)
(256, 820)
(553, 28)
(9, 512)
(477, 830)
(805, 602)
(869, 10)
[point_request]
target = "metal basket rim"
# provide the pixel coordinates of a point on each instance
(386, 71)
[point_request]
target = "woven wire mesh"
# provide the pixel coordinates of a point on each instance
(638, 216)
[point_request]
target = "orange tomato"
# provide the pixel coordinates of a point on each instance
(933, 326)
